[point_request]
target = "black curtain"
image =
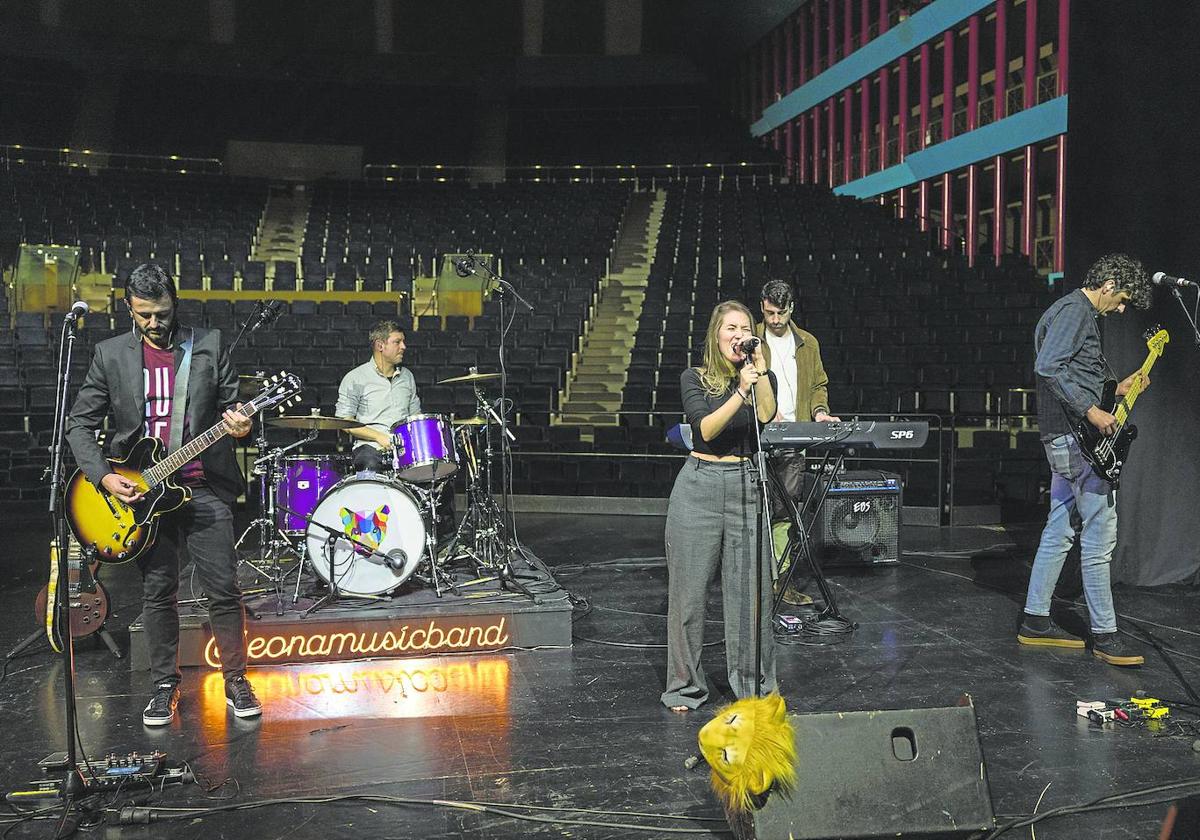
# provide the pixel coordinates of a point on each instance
(1133, 185)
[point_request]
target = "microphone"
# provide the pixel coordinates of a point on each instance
(1159, 278)
(747, 346)
(78, 309)
(395, 559)
(266, 315)
(464, 266)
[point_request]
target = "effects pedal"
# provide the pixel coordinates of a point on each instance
(117, 770)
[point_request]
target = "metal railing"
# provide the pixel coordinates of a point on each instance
(95, 159)
(640, 174)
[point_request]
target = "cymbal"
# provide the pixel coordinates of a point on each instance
(249, 385)
(469, 377)
(469, 421)
(313, 422)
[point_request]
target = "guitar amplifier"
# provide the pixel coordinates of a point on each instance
(859, 524)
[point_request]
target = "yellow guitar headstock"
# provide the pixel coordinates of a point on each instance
(1156, 339)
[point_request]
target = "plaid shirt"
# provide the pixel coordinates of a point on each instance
(1070, 365)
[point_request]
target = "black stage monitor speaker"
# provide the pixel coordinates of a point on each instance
(859, 524)
(908, 773)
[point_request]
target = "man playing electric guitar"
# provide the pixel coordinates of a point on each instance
(134, 378)
(1071, 373)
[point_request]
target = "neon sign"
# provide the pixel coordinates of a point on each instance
(431, 636)
(471, 687)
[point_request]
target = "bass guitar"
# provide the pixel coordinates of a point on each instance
(1107, 454)
(120, 532)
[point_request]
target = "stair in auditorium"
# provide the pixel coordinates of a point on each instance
(282, 230)
(594, 386)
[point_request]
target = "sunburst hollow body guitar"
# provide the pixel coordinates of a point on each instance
(121, 532)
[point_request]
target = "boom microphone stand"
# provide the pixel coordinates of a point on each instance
(465, 267)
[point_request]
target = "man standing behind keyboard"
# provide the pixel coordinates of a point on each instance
(379, 393)
(794, 356)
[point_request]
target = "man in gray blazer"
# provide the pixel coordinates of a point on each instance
(132, 379)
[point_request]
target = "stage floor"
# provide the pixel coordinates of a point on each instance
(582, 728)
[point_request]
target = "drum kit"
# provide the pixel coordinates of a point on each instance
(365, 534)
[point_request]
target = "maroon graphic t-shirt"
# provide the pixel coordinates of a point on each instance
(158, 377)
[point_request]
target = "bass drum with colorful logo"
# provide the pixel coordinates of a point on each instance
(388, 531)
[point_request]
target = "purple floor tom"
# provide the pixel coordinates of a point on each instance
(302, 483)
(423, 447)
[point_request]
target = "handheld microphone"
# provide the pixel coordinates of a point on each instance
(1161, 278)
(747, 346)
(78, 309)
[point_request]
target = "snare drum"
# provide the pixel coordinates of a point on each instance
(375, 512)
(300, 485)
(423, 448)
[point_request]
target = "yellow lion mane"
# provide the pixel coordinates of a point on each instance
(749, 745)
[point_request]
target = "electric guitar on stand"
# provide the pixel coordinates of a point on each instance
(120, 532)
(1106, 453)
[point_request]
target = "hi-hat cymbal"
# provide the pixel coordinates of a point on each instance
(469, 421)
(313, 422)
(474, 376)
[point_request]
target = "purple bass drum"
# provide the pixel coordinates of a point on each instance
(423, 448)
(303, 482)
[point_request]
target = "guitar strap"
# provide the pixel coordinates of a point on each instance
(179, 395)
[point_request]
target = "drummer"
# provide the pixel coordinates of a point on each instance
(378, 393)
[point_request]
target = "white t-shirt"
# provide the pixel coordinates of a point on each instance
(783, 363)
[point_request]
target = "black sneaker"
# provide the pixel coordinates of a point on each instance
(239, 695)
(1041, 631)
(1114, 650)
(161, 709)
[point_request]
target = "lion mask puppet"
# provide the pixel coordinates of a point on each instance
(750, 745)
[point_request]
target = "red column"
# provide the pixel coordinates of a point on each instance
(767, 96)
(1060, 204)
(831, 35)
(830, 105)
(789, 57)
(972, 231)
(1064, 43)
(999, 111)
(789, 148)
(847, 133)
(885, 117)
(1028, 175)
(847, 27)
(947, 133)
(816, 144)
(816, 39)
(802, 142)
(864, 114)
(922, 139)
(902, 131)
(1060, 180)
(776, 65)
(802, 64)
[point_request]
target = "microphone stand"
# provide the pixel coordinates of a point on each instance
(73, 784)
(1191, 316)
(504, 569)
(763, 512)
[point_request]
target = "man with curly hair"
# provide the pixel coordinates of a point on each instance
(1071, 372)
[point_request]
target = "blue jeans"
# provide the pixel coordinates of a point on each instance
(1082, 503)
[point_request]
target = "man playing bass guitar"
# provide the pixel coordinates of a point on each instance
(134, 378)
(1071, 373)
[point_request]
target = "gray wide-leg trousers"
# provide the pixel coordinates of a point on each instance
(713, 522)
